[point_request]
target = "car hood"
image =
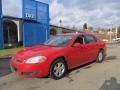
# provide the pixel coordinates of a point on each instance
(36, 51)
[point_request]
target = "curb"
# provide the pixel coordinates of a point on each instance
(7, 57)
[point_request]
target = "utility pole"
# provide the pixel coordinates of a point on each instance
(116, 32)
(110, 35)
(60, 27)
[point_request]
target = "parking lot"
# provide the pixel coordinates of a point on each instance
(94, 76)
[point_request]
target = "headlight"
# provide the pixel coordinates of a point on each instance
(35, 60)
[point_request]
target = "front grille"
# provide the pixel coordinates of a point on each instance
(16, 60)
(19, 61)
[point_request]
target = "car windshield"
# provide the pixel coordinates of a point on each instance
(58, 41)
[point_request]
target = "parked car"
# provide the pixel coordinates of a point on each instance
(58, 55)
(117, 39)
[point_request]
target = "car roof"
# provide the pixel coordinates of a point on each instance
(76, 34)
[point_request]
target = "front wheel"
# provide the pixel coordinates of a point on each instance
(100, 57)
(58, 69)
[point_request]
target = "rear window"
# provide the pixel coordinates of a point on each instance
(90, 39)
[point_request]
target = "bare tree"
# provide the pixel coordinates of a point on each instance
(85, 26)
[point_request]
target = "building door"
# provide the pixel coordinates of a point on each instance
(10, 33)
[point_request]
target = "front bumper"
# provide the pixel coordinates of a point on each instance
(30, 70)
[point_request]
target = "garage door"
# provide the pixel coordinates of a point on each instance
(34, 33)
(36, 23)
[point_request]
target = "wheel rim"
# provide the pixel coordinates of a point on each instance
(59, 69)
(100, 57)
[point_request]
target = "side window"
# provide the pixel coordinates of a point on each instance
(80, 40)
(90, 39)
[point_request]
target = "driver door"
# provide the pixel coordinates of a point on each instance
(77, 54)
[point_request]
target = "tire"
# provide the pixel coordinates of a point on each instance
(58, 69)
(100, 56)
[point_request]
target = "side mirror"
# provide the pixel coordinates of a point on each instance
(77, 45)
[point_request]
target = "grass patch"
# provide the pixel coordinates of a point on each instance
(9, 51)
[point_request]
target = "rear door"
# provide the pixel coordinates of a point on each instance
(91, 47)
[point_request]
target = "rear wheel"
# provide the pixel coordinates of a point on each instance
(100, 57)
(58, 69)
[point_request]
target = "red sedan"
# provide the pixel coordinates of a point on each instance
(58, 55)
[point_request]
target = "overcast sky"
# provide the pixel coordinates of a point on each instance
(97, 13)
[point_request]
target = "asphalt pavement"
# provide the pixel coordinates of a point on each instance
(4, 66)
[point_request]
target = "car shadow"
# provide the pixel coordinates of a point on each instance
(77, 70)
(4, 67)
(109, 58)
(111, 84)
(68, 76)
(85, 66)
